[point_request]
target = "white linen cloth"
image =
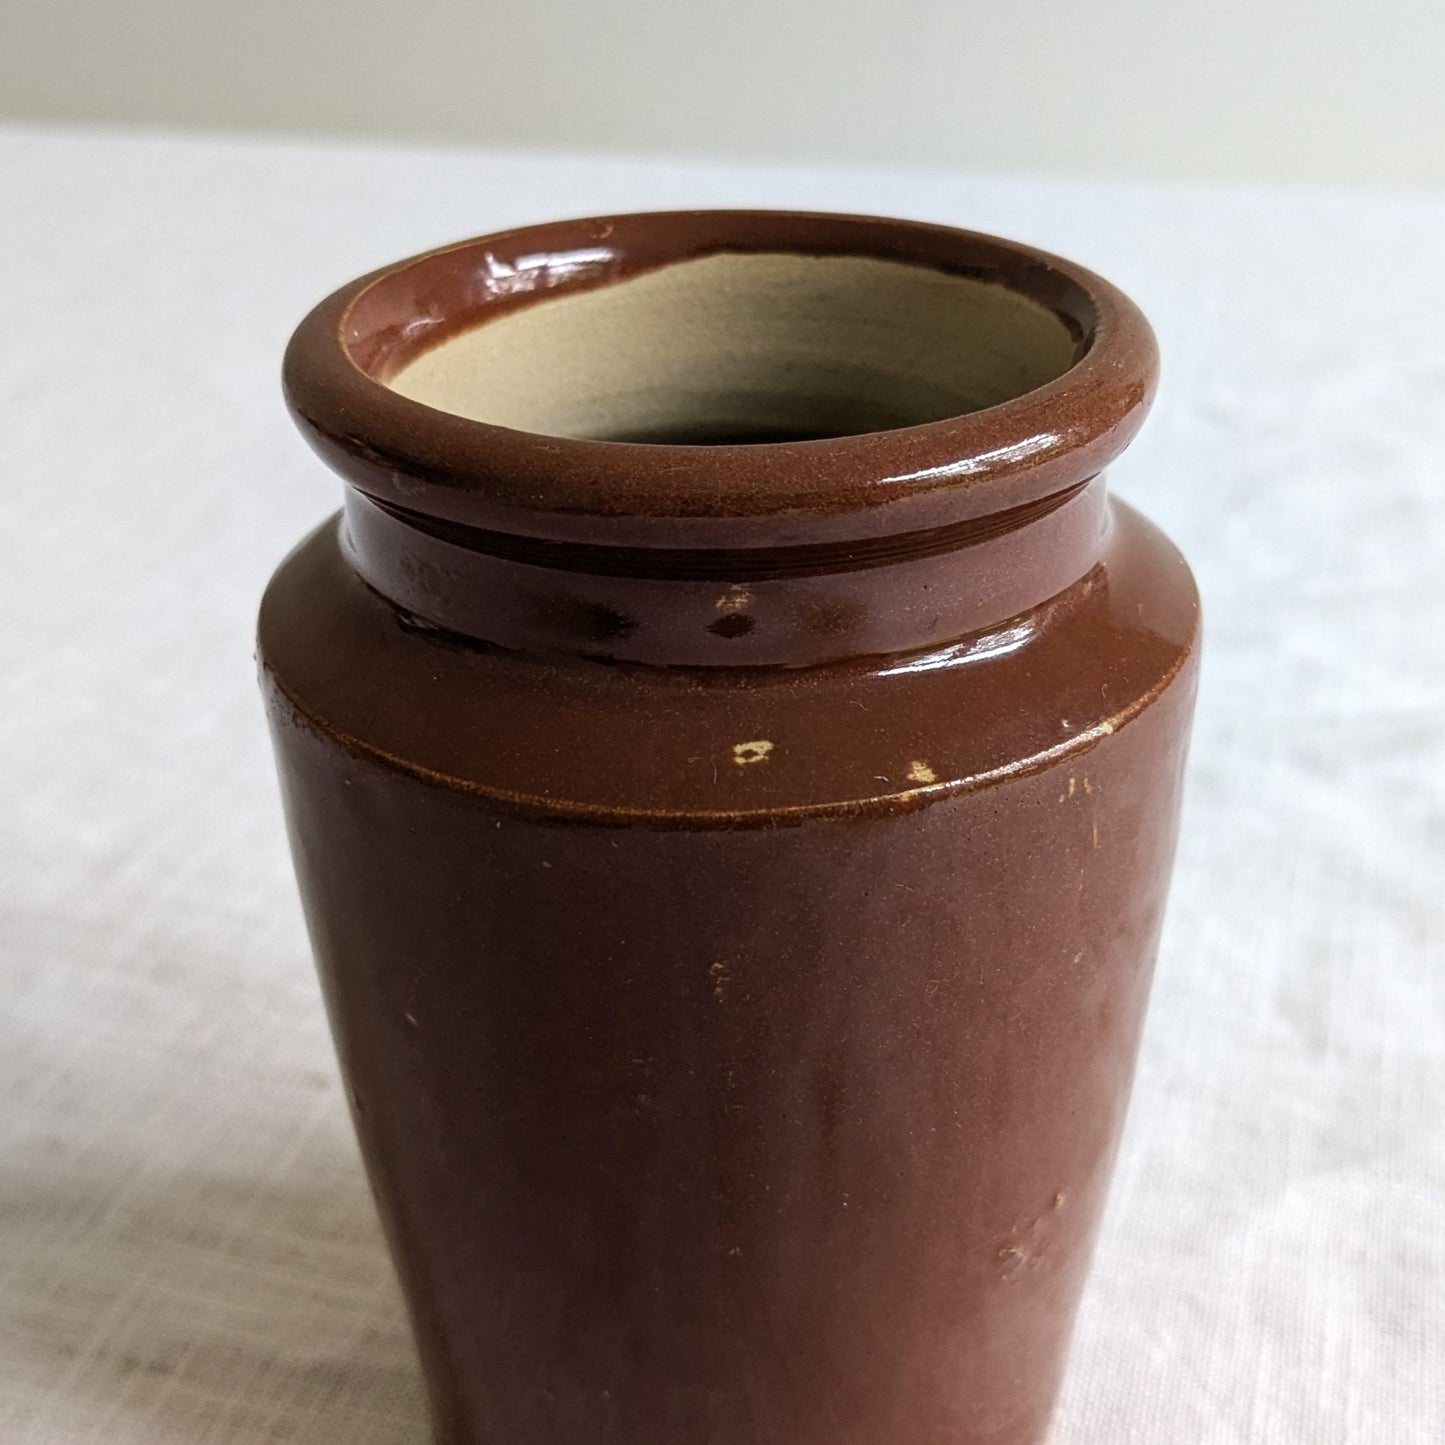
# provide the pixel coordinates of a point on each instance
(187, 1247)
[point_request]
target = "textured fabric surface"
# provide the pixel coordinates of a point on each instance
(187, 1248)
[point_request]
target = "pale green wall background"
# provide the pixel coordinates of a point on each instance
(1335, 91)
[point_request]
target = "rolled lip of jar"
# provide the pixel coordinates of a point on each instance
(415, 458)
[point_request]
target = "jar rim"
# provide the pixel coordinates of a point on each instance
(408, 454)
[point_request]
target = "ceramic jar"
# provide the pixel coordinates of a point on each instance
(731, 744)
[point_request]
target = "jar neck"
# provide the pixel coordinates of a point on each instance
(797, 605)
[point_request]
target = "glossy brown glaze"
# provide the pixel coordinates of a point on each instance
(735, 871)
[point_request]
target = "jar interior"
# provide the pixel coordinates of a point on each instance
(743, 347)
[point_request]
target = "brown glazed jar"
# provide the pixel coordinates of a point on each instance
(731, 745)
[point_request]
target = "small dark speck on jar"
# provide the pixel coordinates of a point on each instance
(734, 624)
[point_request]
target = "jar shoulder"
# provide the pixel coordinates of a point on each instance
(729, 746)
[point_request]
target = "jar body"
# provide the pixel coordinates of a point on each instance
(756, 1076)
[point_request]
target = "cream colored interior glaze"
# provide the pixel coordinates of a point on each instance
(747, 347)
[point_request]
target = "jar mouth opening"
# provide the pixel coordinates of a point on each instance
(721, 378)
(722, 349)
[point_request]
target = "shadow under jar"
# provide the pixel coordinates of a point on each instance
(731, 745)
